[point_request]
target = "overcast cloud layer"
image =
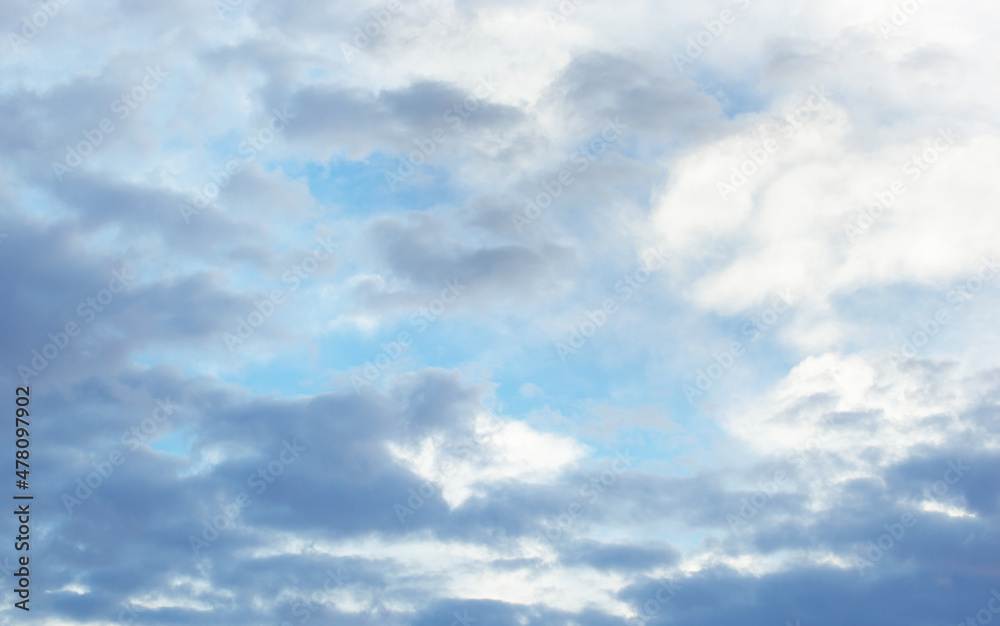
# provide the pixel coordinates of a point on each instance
(496, 312)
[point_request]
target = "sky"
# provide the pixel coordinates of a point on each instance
(494, 312)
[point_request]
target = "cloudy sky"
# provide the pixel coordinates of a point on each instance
(495, 312)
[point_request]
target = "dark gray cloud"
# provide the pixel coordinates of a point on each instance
(420, 252)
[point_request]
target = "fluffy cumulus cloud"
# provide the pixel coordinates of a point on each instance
(498, 312)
